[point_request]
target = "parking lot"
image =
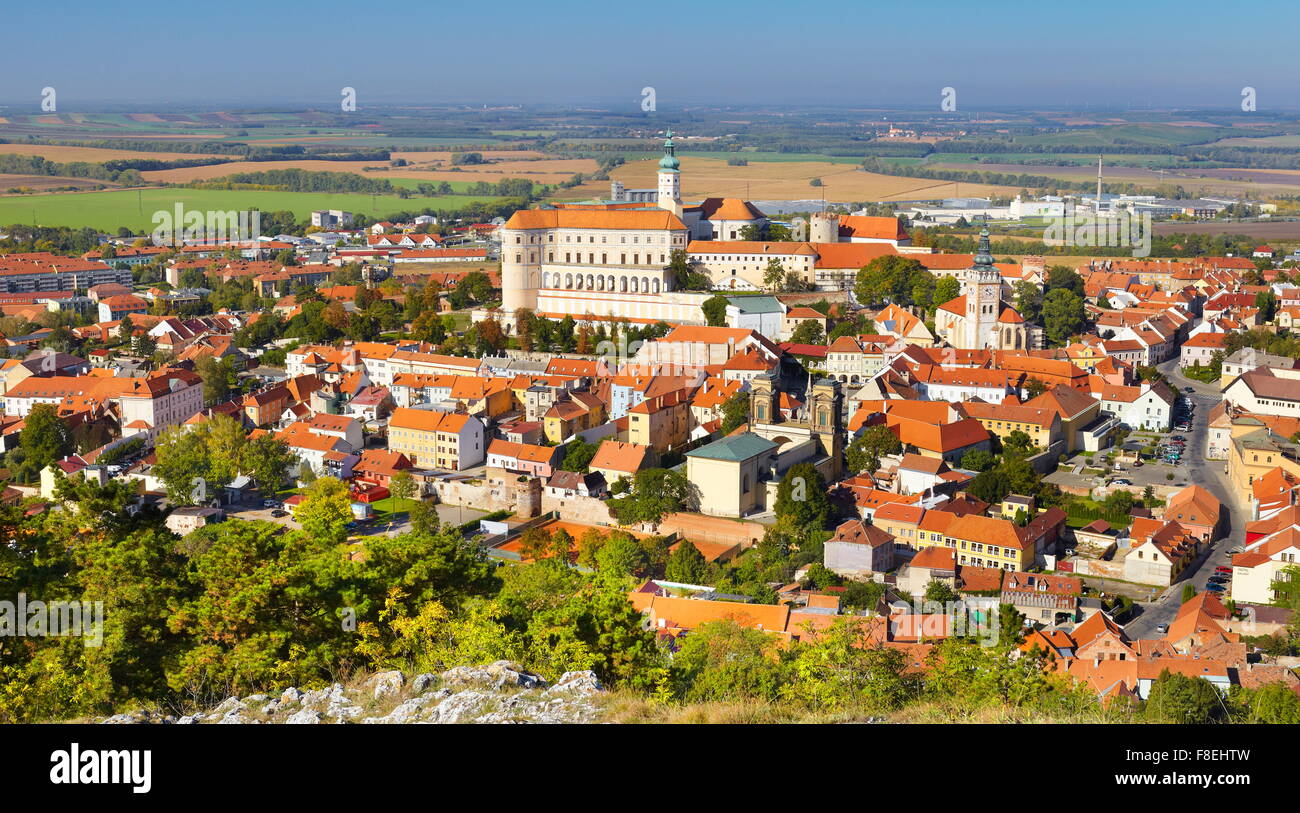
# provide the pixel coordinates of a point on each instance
(1160, 454)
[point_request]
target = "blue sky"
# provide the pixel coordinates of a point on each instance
(996, 54)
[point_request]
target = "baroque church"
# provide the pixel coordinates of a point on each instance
(979, 319)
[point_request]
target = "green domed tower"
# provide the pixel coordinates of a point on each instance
(669, 162)
(670, 178)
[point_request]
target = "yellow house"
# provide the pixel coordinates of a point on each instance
(1077, 410)
(1043, 426)
(488, 397)
(662, 422)
(1254, 451)
(434, 439)
(990, 542)
(572, 414)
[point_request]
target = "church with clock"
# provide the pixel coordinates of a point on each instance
(979, 319)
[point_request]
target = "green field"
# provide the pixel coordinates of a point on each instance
(1066, 159)
(1264, 141)
(134, 208)
(1164, 134)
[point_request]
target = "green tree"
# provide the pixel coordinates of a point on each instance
(722, 660)
(402, 486)
(1029, 301)
(1063, 315)
(621, 556)
(801, 497)
(809, 331)
(326, 510)
(946, 289)
(864, 453)
(268, 460)
(774, 277)
(44, 438)
(939, 591)
(735, 412)
(686, 564)
(578, 454)
(715, 310)
(654, 493)
(1062, 277)
(1274, 703)
(1177, 698)
(978, 460)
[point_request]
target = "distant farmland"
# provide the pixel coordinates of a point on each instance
(1264, 230)
(134, 208)
(784, 180)
(95, 155)
(43, 183)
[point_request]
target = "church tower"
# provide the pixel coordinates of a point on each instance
(670, 178)
(826, 418)
(983, 291)
(763, 400)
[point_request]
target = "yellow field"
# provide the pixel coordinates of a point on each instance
(427, 166)
(94, 155)
(784, 180)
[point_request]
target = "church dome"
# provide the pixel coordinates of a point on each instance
(669, 162)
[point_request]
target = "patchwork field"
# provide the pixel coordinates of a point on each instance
(1230, 181)
(204, 173)
(784, 180)
(424, 166)
(134, 208)
(92, 155)
(1273, 230)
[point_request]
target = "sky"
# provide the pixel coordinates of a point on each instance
(1103, 54)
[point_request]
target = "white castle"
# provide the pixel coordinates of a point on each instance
(610, 258)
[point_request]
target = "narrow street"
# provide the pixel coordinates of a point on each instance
(1211, 475)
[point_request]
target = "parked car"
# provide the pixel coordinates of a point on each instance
(1215, 587)
(1178, 438)
(1189, 389)
(1223, 569)
(1123, 482)
(279, 512)
(270, 504)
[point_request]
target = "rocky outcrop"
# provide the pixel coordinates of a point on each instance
(500, 692)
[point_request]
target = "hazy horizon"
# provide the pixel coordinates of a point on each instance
(998, 56)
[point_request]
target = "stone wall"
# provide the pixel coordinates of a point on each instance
(584, 510)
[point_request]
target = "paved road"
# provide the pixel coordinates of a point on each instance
(1211, 475)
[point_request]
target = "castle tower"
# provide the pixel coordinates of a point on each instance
(521, 268)
(825, 228)
(670, 178)
(982, 287)
(826, 416)
(763, 404)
